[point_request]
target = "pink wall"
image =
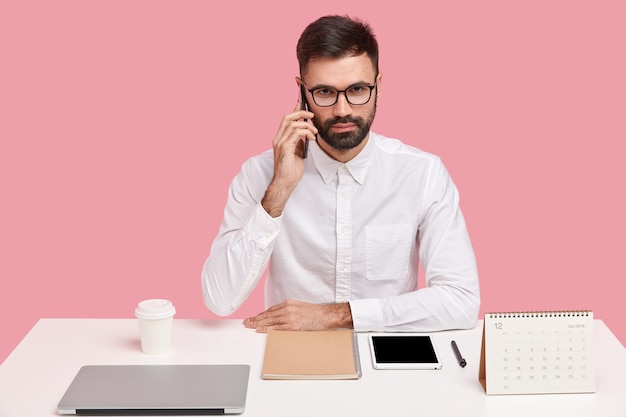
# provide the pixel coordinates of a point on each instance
(123, 122)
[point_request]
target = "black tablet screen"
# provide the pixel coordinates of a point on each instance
(404, 349)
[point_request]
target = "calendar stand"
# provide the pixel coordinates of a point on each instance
(542, 352)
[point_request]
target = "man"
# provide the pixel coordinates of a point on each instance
(344, 228)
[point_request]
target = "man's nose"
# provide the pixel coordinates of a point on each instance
(342, 108)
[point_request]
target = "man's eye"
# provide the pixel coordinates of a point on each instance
(324, 92)
(357, 89)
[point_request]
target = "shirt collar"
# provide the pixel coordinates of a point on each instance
(357, 166)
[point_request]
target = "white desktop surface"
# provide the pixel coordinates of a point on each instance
(36, 374)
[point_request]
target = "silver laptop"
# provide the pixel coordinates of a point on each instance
(157, 390)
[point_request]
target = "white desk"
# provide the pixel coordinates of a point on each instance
(36, 374)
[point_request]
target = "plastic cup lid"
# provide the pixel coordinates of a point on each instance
(155, 309)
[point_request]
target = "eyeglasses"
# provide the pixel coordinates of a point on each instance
(357, 94)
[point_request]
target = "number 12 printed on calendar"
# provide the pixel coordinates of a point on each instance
(537, 353)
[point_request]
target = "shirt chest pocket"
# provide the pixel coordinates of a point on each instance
(387, 251)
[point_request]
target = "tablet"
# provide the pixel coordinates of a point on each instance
(403, 351)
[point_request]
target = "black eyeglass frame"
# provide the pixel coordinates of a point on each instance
(312, 90)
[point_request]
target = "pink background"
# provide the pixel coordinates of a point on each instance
(123, 122)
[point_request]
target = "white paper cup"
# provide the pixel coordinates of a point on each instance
(156, 318)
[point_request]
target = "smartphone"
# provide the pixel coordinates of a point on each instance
(303, 102)
(404, 351)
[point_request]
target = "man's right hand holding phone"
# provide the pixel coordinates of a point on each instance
(288, 148)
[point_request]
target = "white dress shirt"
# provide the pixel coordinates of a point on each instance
(351, 232)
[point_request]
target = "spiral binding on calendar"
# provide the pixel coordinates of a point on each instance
(535, 314)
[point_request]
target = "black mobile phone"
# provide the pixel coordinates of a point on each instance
(303, 102)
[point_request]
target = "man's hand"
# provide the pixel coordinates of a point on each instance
(288, 149)
(298, 315)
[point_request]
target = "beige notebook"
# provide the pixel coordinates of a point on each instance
(324, 354)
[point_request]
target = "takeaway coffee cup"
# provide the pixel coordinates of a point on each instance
(156, 318)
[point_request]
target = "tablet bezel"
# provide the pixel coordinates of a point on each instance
(404, 365)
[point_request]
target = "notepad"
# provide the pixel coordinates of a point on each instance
(544, 352)
(324, 354)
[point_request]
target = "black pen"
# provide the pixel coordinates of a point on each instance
(458, 355)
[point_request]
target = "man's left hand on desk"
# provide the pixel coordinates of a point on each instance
(298, 315)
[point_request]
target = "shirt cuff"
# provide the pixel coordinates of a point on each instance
(367, 315)
(262, 228)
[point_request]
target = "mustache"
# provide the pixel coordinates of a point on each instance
(344, 120)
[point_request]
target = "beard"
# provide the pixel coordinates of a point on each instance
(344, 140)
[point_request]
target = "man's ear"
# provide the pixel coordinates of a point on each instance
(379, 79)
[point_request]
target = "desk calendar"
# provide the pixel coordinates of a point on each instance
(545, 352)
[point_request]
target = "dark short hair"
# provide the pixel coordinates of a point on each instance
(336, 37)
